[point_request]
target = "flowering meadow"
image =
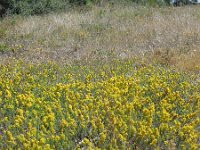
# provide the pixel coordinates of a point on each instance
(120, 105)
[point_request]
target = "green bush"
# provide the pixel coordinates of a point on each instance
(152, 2)
(30, 7)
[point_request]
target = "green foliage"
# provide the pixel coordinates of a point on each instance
(4, 48)
(2, 32)
(30, 7)
(152, 2)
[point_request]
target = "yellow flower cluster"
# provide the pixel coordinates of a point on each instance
(115, 106)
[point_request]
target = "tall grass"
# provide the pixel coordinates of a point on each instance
(169, 36)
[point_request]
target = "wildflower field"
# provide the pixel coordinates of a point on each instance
(120, 105)
(109, 76)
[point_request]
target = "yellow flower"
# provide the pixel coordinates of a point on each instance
(121, 137)
(47, 147)
(63, 123)
(154, 142)
(20, 112)
(146, 112)
(102, 137)
(42, 140)
(8, 94)
(21, 138)
(86, 141)
(165, 116)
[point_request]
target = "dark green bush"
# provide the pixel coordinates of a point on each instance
(152, 2)
(30, 7)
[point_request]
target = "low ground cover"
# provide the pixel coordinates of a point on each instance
(120, 105)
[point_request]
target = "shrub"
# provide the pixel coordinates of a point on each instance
(30, 7)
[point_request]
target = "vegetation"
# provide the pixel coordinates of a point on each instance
(115, 106)
(166, 36)
(30, 7)
(113, 76)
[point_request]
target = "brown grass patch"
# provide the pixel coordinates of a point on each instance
(168, 36)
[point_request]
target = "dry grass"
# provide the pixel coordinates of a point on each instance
(169, 36)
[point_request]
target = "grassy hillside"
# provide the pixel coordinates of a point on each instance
(168, 36)
(112, 77)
